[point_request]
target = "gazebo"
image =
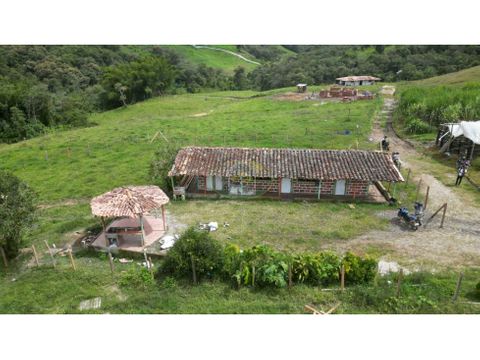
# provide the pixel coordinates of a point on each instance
(133, 208)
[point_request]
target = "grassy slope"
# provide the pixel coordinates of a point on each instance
(457, 78)
(213, 58)
(85, 162)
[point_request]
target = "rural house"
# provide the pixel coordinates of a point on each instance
(356, 80)
(280, 173)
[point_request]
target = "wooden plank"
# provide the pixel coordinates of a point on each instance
(342, 277)
(110, 260)
(457, 288)
(35, 255)
(51, 254)
(71, 258)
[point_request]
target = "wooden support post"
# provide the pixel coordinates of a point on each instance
(110, 260)
(173, 188)
(342, 277)
(51, 254)
(426, 198)
(151, 267)
(194, 272)
(408, 177)
(253, 275)
(418, 189)
(164, 218)
(279, 187)
(399, 281)
(290, 282)
(145, 256)
(457, 289)
(71, 258)
(104, 226)
(35, 255)
(142, 230)
(4, 257)
(443, 216)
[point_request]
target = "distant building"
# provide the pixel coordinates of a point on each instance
(357, 80)
(301, 88)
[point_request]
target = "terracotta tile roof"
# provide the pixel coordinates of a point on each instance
(130, 201)
(286, 163)
(358, 78)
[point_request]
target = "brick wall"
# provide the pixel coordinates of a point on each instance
(304, 186)
(353, 188)
(357, 188)
(327, 187)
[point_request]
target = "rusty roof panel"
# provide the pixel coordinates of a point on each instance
(286, 163)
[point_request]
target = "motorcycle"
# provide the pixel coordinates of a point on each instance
(414, 221)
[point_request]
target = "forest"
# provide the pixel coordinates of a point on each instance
(51, 87)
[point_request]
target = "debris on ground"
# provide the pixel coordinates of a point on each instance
(211, 226)
(167, 241)
(124, 261)
(89, 304)
(386, 267)
(351, 206)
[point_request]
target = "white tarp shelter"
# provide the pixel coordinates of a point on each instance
(469, 129)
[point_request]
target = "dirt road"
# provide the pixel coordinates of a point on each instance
(457, 244)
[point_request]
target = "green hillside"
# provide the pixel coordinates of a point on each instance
(87, 161)
(456, 78)
(215, 58)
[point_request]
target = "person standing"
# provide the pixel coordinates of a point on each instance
(460, 175)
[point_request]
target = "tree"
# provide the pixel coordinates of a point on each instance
(17, 212)
(240, 78)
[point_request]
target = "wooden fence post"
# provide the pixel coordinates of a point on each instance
(4, 257)
(426, 198)
(443, 216)
(399, 281)
(253, 275)
(408, 177)
(290, 275)
(194, 272)
(151, 267)
(418, 189)
(342, 277)
(35, 255)
(110, 260)
(71, 258)
(457, 289)
(51, 255)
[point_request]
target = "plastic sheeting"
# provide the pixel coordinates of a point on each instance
(469, 129)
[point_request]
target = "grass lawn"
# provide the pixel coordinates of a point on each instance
(305, 226)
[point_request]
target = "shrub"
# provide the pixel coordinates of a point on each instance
(206, 252)
(138, 277)
(358, 270)
(315, 269)
(271, 267)
(416, 126)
